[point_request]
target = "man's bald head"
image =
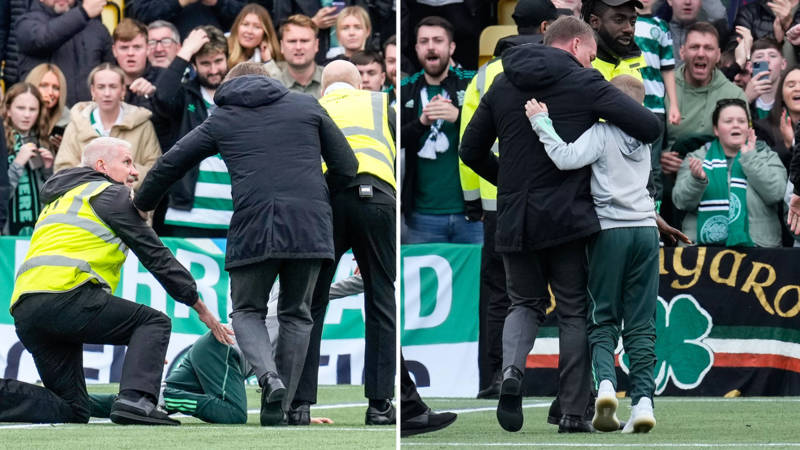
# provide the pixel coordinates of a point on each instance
(340, 71)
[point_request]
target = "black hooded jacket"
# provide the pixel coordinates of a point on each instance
(271, 139)
(179, 107)
(539, 206)
(113, 206)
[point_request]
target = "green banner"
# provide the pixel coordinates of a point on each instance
(439, 293)
(205, 260)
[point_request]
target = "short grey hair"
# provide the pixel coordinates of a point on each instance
(101, 148)
(566, 28)
(165, 24)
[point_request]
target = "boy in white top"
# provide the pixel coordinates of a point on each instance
(623, 256)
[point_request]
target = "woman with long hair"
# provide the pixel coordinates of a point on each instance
(108, 115)
(53, 86)
(731, 187)
(30, 161)
(777, 129)
(253, 37)
(353, 28)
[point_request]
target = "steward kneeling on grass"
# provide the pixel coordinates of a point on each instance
(62, 295)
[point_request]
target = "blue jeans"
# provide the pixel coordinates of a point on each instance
(448, 228)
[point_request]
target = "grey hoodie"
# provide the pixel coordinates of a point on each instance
(620, 170)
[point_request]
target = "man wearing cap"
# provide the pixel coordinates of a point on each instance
(531, 17)
(614, 23)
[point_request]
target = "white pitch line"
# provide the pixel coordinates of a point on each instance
(494, 408)
(250, 411)
(659, 399)
(587, 444)
(317, 407)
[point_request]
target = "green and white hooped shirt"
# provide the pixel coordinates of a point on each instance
(213, 204)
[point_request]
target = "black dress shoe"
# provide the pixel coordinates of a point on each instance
(554, 414)
(509, 407)
(375, 416)
(574, 424)
(426, 422)
(272, 393)
(490, 392)
(140, 412)
(300, 415)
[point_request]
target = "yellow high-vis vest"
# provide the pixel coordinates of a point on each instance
(361, 115)
(473, 186)
(71, 246)
(630, 66)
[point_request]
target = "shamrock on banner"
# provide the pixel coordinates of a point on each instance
(681, 355)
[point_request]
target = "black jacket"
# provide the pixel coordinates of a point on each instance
(757, 17)
(150, 74)
(114, 207)
(72, 41)
(539, 206)
(185, 19)
(180, 108)
(515, 40)
(10, 11)
(412, 129)
(271, 139)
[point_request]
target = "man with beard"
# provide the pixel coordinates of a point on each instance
(390, 58)
(196, 209)
(431, 198)
(299, 43)
(614, 23)
(73, 38)
(544, 215)
(700, 85)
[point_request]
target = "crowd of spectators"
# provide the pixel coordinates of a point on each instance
(692, 54)
(721, 76)
(151, 80)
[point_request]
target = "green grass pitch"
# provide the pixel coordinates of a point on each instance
(345, 405)
(682, 422)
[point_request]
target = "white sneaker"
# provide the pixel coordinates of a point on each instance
(642, 419)
(605, 408)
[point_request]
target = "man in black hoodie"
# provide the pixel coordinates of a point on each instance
(532, 18)
(62, 295)
(282, 221)
(544, 215)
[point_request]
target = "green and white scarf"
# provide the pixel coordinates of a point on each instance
(722, 214)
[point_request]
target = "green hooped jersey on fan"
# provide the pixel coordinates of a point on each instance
(213, 206)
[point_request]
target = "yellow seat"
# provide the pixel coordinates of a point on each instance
(505, 8)
(113, 14)
(488, 40)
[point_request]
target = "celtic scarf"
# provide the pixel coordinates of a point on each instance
(722, 214)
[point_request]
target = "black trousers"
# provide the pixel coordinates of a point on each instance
(528, 275)
(250, 286)
(493, 306)
(367, 225)
(411, 404)
(54, 327)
